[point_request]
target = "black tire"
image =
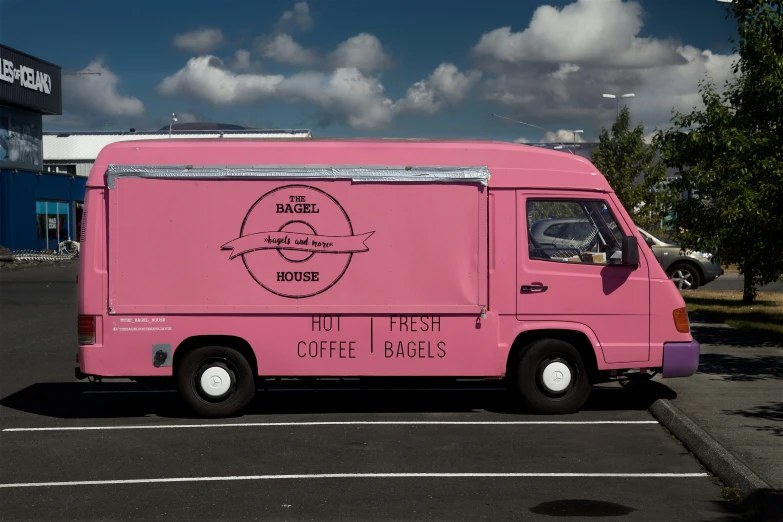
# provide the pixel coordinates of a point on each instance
(530, 387)
(241, 388)
(684, 276)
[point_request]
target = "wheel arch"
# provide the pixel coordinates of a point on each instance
(578, 335)
(229, 341)
(689, 262)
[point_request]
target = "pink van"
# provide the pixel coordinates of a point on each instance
(219, 261)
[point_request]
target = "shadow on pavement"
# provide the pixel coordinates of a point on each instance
(745, 369)
(718, 334)
(761, 506)
(123, 400)
(770, 412)
(764, 505)
(581, 508)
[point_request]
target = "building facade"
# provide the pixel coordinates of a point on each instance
(37, 209)
(73, 153)
(70, 155)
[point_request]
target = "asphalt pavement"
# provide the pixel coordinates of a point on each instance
(737, 396)
(732, 281)
(407, 451)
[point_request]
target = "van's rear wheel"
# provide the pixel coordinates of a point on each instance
(551, 377)
(215, 381)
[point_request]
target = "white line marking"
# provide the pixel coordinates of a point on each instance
(333, 389)
(130, 391)
(325, 423)
(352, 475)
(311, 389)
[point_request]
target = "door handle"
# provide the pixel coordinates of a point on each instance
(533, 288)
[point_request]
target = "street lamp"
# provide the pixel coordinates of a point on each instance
(623, 96)
(173, 119)
(575, 133)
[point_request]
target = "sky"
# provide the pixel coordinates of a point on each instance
(376, 68)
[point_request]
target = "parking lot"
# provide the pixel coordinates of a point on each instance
(73, 450)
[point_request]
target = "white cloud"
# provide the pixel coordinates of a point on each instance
(522, 140)
(564, 70)
(596, 32)
(561, 136)
(556, 70)
(242, 62)
(205, 78)
(200, 41)
(95, 98)
(297, 18)
(345, 95)
(445, 86)
(187, 117)
(665, 88)
(283, 49)
(363, 51)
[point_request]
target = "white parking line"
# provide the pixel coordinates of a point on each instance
(311, 389)
(331, 389)
(325, 423)
(353, 475)
(129, 391)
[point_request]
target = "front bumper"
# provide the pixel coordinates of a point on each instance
(712, 271)
(680, 359)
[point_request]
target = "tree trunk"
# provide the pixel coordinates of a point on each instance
(749, 290)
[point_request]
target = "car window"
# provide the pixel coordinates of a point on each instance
(591, 234)
(555, 230)
(581, 230)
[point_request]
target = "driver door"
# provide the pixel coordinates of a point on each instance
(579, 283)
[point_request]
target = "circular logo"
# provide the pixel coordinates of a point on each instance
(296, 241)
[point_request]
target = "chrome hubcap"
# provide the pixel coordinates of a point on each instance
(683, 279)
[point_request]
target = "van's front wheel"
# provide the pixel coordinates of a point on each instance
(215, 381)
(551, 377)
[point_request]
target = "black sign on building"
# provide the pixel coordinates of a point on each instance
(29, 83)
(29, 88)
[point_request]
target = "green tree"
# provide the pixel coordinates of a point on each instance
(623, 158)
(730, 155)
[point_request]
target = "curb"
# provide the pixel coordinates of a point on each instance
(8, 266)
(759, 496)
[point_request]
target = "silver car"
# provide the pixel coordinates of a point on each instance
(687, 269)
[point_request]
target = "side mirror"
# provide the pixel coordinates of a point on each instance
(649, 241)
(630, 251)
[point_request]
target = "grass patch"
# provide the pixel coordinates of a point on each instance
(733, 495)
(765, 316)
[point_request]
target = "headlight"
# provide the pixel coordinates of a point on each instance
(705, 255)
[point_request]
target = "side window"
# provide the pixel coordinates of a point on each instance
(555, 230)
(586, 232)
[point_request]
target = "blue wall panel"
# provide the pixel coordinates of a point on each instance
(19, 192)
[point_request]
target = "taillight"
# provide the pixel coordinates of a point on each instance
(86, 329)
(681, 320)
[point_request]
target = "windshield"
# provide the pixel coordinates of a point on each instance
(656, 238)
